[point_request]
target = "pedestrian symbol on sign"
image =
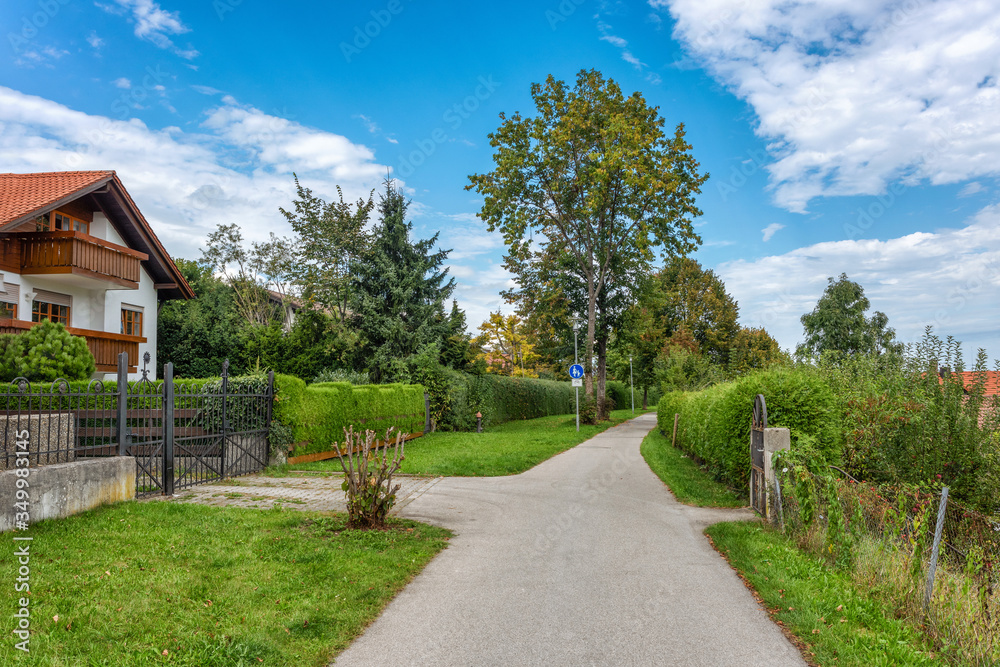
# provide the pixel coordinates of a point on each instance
(576, 371)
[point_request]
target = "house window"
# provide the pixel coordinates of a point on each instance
(8, 310)
(131, 322)
(60, 222)
(42, 310)
(9, 298)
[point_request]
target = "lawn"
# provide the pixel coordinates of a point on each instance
(156, 583)
(838, 624)
(507, 449)
(688, 481)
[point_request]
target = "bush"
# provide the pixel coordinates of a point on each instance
(341, 375)
(715, 423)
(502, 399)
(318, 413)
(46, 352)
(368, 477)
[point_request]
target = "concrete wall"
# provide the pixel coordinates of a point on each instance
(63, 489)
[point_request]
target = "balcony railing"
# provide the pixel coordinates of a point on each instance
(104, 346)
(46, 253)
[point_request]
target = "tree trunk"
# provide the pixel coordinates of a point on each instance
(591, 330)
(602, 376)
(645, 398)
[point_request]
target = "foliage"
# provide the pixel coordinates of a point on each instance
(914, 420)
(329, 236)
(594, 174)
(506, 350)
(199, 334)
(341, 375)
(316, 341)
(715, 423)
(45, 352)
(754, 349)
(398, 290)
(250, 272)
(150, 583)
(501, 399)
(838, 324)
(682, 369)
(457, 348)
(425, 368)
(686, 297)
(368, 467)
(318, 413)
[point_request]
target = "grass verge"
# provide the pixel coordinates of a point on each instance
(507, 449)
(688, 481)
(835, 623)
(156, 583)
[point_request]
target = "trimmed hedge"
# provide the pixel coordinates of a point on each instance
(318, 413)
(715, 423)
(502, 399)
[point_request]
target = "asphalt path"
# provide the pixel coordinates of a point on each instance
(586, 559)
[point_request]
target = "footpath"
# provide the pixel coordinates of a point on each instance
(585, 559)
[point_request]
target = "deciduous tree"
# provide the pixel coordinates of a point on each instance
(594, 172)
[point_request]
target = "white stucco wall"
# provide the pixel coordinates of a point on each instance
(145, 298)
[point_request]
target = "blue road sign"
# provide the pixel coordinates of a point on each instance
(576, 371)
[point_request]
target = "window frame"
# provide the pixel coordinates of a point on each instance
(136, 317)
(47, 223)
(37, 315)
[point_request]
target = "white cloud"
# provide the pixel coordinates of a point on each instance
(94, 41)
(971, 189)
(237, 169)
(949, 279)
(122, 82)
(153, 23)
(622, 45)
(771, 230)
(205, 90)
(856, 94)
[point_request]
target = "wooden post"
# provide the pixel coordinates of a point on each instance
(122, 389)
(168, 429)
(673, 442)
(937, 545)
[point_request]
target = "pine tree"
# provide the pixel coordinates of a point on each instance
(398, 290)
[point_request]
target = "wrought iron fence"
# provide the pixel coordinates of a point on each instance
(181, 434)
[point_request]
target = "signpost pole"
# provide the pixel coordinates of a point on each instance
(631, 383)
(576, 326)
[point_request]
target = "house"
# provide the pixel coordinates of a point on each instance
(74, 248)
(287, 308)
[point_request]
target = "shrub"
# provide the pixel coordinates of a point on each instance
(368, 475)
(318, 413)
(715, 423)
(341, 375)
(46, 352)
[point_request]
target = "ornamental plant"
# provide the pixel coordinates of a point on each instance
(368, 476)
(45, 353)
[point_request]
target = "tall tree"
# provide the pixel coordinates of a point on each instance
(506, 348)
(838, 324)
(695, 298)
(398, 290)
(594, 172)
(329, 237)
(456, 351)
(754, 349)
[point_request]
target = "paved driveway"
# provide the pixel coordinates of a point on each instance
(585, 559)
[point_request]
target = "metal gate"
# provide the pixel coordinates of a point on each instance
(182, 435)
(758, 488)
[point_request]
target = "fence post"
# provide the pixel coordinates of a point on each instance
(427, 412)
(673, 441)
(937, 545)
(168, 429)
(122, 424)
(225, 418)
(270, 405)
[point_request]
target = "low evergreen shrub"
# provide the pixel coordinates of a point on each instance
(45, 352)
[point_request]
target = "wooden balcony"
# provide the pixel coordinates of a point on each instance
(78, 254)
(104, 346)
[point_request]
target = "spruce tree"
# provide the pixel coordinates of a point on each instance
(398, 290)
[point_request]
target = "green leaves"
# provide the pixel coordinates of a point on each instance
(46, 352)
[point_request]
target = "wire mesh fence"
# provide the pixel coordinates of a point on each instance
(885, 537)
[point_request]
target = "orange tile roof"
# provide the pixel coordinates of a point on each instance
(991, 386)
(23, 194)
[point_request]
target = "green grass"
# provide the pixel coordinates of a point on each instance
(507, 449)
(688, 481)
(156, 583)
(837, 624)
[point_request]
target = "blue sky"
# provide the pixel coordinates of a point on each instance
(841, 136)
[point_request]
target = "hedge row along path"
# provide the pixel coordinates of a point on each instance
(585, 559)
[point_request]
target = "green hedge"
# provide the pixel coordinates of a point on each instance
(715, 423)
(318, 413)
(502, 399)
